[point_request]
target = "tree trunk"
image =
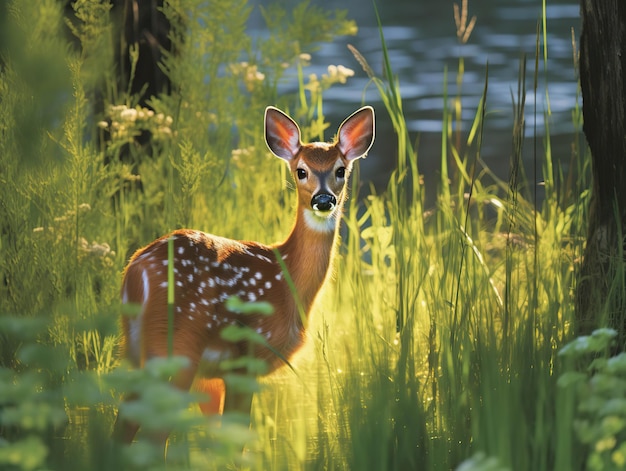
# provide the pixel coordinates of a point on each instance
(601, 292)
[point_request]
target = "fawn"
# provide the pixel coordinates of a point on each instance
(209, 269)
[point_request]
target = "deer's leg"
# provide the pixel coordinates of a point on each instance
(124, 430)
(239, 402)
(183, 381)
(215, 390)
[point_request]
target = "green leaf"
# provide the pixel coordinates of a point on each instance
(241, 383)
(234, 304)
(250, 364)
(597, 342)
(616, 364)
(26, 454)
(235, 334)
(166, 367)
(570, 378)
(29, 415)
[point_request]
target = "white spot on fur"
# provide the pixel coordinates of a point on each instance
(134, 334)
(263, 257)
(146, 285)
(251, 297)
(214, 356)
(268, 284)
(125, 294)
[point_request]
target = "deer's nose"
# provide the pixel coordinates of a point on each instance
(323, 202)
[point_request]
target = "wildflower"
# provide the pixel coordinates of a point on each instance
(164, 131)
(240, 157)
(249, 73)
(618, 457)
(125, 122)
(336, 74)
(129, 114)
(605, 444)
(305, 59)
(314, 84)
(99, 250)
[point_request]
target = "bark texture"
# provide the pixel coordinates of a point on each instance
(601, 291)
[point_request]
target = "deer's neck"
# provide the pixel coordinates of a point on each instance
(308, 251)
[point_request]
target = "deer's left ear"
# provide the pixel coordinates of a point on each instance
(356, 133)
(282, 134)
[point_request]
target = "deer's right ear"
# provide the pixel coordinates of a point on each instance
(282, 134)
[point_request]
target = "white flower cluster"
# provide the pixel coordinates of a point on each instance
(241, 158)
(60, 230)
(249, 73)
(125, 123)
(96, 249)
(336, 74)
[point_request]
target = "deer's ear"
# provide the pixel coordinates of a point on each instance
(282, 134)
(356, 133)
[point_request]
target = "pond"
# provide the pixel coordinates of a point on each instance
(422, 42)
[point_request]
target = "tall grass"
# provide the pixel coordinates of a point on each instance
(434, 345)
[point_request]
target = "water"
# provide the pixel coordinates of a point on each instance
(422, 43)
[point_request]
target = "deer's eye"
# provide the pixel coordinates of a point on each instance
(341, 172)
(301, 173)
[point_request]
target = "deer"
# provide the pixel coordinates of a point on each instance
(208, 270)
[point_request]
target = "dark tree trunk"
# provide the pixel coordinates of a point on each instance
(145, 25)
(601, 293)
(141, 24)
